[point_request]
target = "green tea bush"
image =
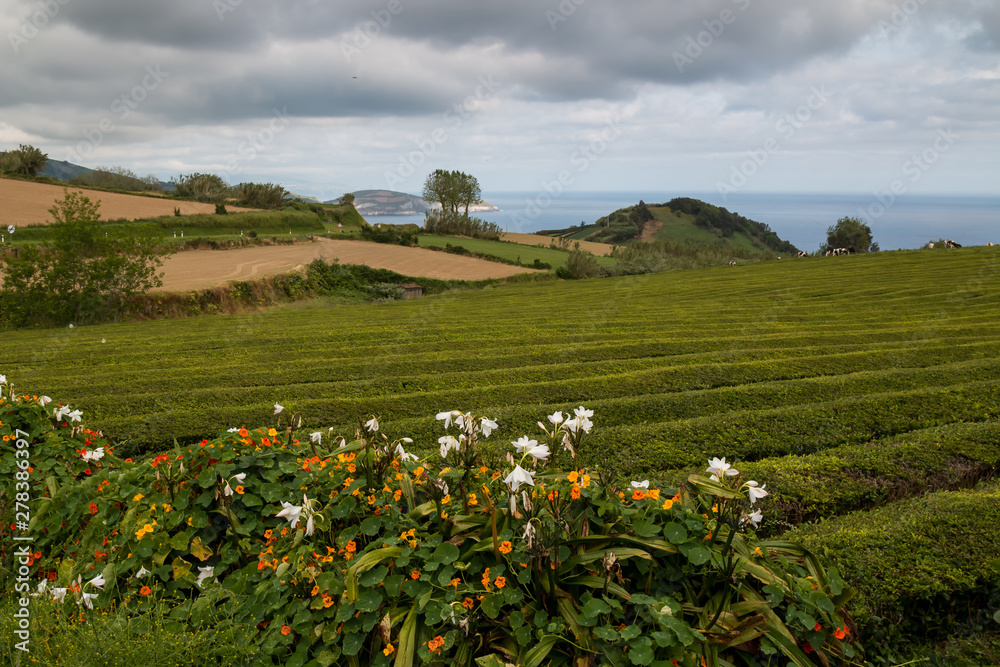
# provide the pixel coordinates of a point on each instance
(926, 567)
(355, 553)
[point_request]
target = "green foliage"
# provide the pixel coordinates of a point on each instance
(851, 233)
(201, 187)
(438, 563)
(220, 209)
(117, 178)
(453, 190)
(392, 234)
(925, 566)
(25, 161)
(581, 264)
(83, 274)
(457, 224)
(347, 199)
(124, 636)
(259, 195)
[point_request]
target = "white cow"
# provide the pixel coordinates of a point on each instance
(989, 245)
(930, 245)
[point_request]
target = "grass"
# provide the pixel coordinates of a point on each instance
(515, 252)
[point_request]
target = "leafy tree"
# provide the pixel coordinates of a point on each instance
(86, 273)
(259, 195)
(117, 178)
(851, 233)
(201, 187)
(453, 190)
(25, 161)
(347, 199)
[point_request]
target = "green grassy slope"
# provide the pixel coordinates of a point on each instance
(515, 252)
(750, 362)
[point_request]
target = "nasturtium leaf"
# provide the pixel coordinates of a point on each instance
(179, 542)
(272, 493)
(681, 629)
(371, 525)
(646, 528)
(373, 576)
(675, 533)
(207, 478)
(198, 550)
(630, 632)
(352, 643)
(344, 612)
(606, 633)
(369, 599)
(825, 604)
(251, 500)
(664, 639)
(326, 658)
(446, 553)
(641, 652)
(699, 555)
(492, 605)
(523, 635)
(516, 619)
(595, 606)
(834, 581)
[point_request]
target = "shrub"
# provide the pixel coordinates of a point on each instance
(220, 209)
(925, 566)
(387, 556)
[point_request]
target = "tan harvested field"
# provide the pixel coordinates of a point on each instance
(546, 241)
(27, 203)
(200, 269)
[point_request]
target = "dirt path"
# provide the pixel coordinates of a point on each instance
(27, 203)
(649, 230)
(546, 241)
(199, 269)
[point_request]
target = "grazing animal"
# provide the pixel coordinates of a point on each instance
(930, 245)
(990, 244)
(951, 244)
(803, 253)
(779, 258)
(732, 263)
(829, 252)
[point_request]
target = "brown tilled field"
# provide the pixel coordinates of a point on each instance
(545, 241)
(27, 203)
(200, 269)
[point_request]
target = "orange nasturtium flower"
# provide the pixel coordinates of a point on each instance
(415, 575)
(435, 644)
(285, 629)
(468, 603)
(638, 494)
(668, 503)
(839, 633)
(501, 582)
(506, 547)
(388, 650)
(145, 590)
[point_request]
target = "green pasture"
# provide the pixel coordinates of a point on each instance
(514, 252)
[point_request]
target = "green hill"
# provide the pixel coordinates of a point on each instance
(682, 220)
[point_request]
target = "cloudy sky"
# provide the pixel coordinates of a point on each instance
(322, 97)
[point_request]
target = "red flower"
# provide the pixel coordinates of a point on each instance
(93, 508)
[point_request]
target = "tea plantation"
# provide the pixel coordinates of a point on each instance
(851, 385)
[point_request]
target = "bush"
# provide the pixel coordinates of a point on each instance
(924, 567)
(25, 161)
(453, 224)
(390, 234)
(387, 556)
(220, 209)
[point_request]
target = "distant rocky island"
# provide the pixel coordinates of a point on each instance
(389, 202)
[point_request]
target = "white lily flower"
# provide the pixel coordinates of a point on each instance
(290, 512)
(42, 586)
(44, 400)
(372, 425)
(460, 419)
(529, 531)
(556, 417)
(141, 573)
(403, 454)
(519, 476)
(583, 412)
(448, 443)
(310, 525)
(3, 379)
(278, 409)
(58, 594)
(203, 574)
(644, 484)
(86, 598)
(98, 582)
(408, 440)
(60, 412)
(755, 518)
(75, 416)
(95, 455)
(316, 437)
(719, 467)
(524, 443)
(754, 492)
(487, 426)
(228, 491)
(232, 430)
(239, 477)
(540, 452)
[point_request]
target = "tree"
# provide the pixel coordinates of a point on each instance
(346, 199)
(25, 161)
(850, 233)
(86, 273)
(201, 187)
(452, 189)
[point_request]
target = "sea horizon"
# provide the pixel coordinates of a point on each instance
(898, 222)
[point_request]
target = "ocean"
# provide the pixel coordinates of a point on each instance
(909, 221)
